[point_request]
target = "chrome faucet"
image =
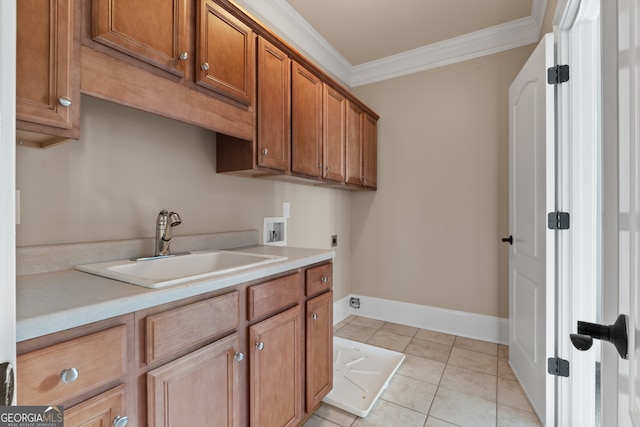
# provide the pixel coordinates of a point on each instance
(164, 226)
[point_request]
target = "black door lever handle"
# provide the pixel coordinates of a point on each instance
(508, 239)
(616, 334)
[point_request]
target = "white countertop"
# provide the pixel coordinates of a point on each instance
(55, 301)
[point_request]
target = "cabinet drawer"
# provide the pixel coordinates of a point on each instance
(99, 358)
(174, 330)
(99, 411)
(319, 279)
(273, 295)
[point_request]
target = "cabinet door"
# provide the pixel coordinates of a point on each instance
(275, 379)
(306, 122)
(101, 411)
(369, 151)
(354, 145)
(319, 348)
(225, 53)
(152, 30)
(274, 107)
(334, 134)
(199, 389)
(47, 80)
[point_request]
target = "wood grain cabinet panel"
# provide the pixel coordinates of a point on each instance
(274, 107)
(40, 381)
(319, 279)
(354, 173)
(274, 295)
(199, 389)
(275, 379)
(319, 349)
(99, 411)
(334, 125)
(225, 53)
(370, 151)
(306, 122)
(154, 31)
(174, 330)
(47, 73)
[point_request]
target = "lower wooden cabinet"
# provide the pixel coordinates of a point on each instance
(275, 379)
(199, 389)
(107, 409)
(319, 342)
(259, 354)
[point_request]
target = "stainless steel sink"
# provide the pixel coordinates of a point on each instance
(165, 271)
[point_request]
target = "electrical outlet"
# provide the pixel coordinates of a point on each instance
(354, 302)
(334, 240)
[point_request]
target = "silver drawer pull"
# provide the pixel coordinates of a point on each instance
(69, 375)
(259, 346)
(184, 56)
(119, 421)
(324, 279)
(314, 316)
(205, 66)
(239, 356)
(265, 151)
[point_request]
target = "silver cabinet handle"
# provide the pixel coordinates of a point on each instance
(205, 66)
(65, 101)
(259, 346)
(324, 279)
(119, 421)
(184, 56)
(69, 375)
(320, 166)
(265, 151)
(239, 356)
(328, 168)
(314, 316)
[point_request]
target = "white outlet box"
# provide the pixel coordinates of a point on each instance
(274, 231)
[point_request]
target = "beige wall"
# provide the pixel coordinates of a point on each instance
(431, 233)
(128, 165)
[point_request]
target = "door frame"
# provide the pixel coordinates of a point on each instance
(7, 182)
(579, 192)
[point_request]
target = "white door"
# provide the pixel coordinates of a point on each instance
(532, 253)
(7, 185)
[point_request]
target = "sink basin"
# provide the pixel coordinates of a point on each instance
(165, 271)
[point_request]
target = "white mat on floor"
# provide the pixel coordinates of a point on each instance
(361, 372)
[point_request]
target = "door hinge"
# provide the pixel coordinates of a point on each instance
(558, 367)
(558, 220)
(558, 74)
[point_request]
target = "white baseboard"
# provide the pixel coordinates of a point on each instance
(470, 325)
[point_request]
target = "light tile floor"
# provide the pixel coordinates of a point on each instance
(444, 381)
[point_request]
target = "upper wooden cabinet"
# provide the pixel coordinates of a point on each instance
(154, 31)
(361, 147)
(224, 53)
(274, 107)
(334, 123)
(370, 151)
(306, 122)
(354, 174)
(47, 73)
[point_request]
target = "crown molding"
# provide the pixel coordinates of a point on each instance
(510, 35)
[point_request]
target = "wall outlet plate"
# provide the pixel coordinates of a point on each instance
(274, 231)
